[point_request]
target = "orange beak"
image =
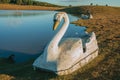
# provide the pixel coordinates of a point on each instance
(56, 23)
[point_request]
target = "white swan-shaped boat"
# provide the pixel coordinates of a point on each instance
(63, 56)
(83, 16)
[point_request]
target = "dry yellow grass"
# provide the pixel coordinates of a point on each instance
(6, 77)
(25, 7)
(106, 25)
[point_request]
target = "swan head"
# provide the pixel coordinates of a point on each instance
(57, 19)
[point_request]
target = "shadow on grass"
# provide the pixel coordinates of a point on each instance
(23, 71)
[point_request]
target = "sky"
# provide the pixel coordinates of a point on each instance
(83, 2)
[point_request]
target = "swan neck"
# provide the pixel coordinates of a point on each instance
(55, 41)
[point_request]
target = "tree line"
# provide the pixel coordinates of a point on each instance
(26, 2)
(19, 2)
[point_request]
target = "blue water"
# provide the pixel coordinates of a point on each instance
(26, 33)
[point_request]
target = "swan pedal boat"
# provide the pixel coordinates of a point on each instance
(64, 56)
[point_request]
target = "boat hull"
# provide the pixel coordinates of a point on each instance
(79, 64)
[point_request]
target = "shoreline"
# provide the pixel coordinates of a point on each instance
(26, 7)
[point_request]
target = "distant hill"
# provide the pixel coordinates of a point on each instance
(28, 2)
(102, 10)
(38, 3)
(26, 7)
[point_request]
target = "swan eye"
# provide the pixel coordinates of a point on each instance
(57, 17)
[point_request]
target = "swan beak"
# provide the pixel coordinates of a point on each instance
(56, 23)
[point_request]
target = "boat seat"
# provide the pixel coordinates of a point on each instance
(85, 39)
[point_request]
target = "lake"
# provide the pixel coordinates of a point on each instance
(25, 33)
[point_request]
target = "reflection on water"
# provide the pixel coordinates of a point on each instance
(20, 13)
(25, 33)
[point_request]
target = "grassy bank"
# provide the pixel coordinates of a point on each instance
(106, 24)
(25, 7)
